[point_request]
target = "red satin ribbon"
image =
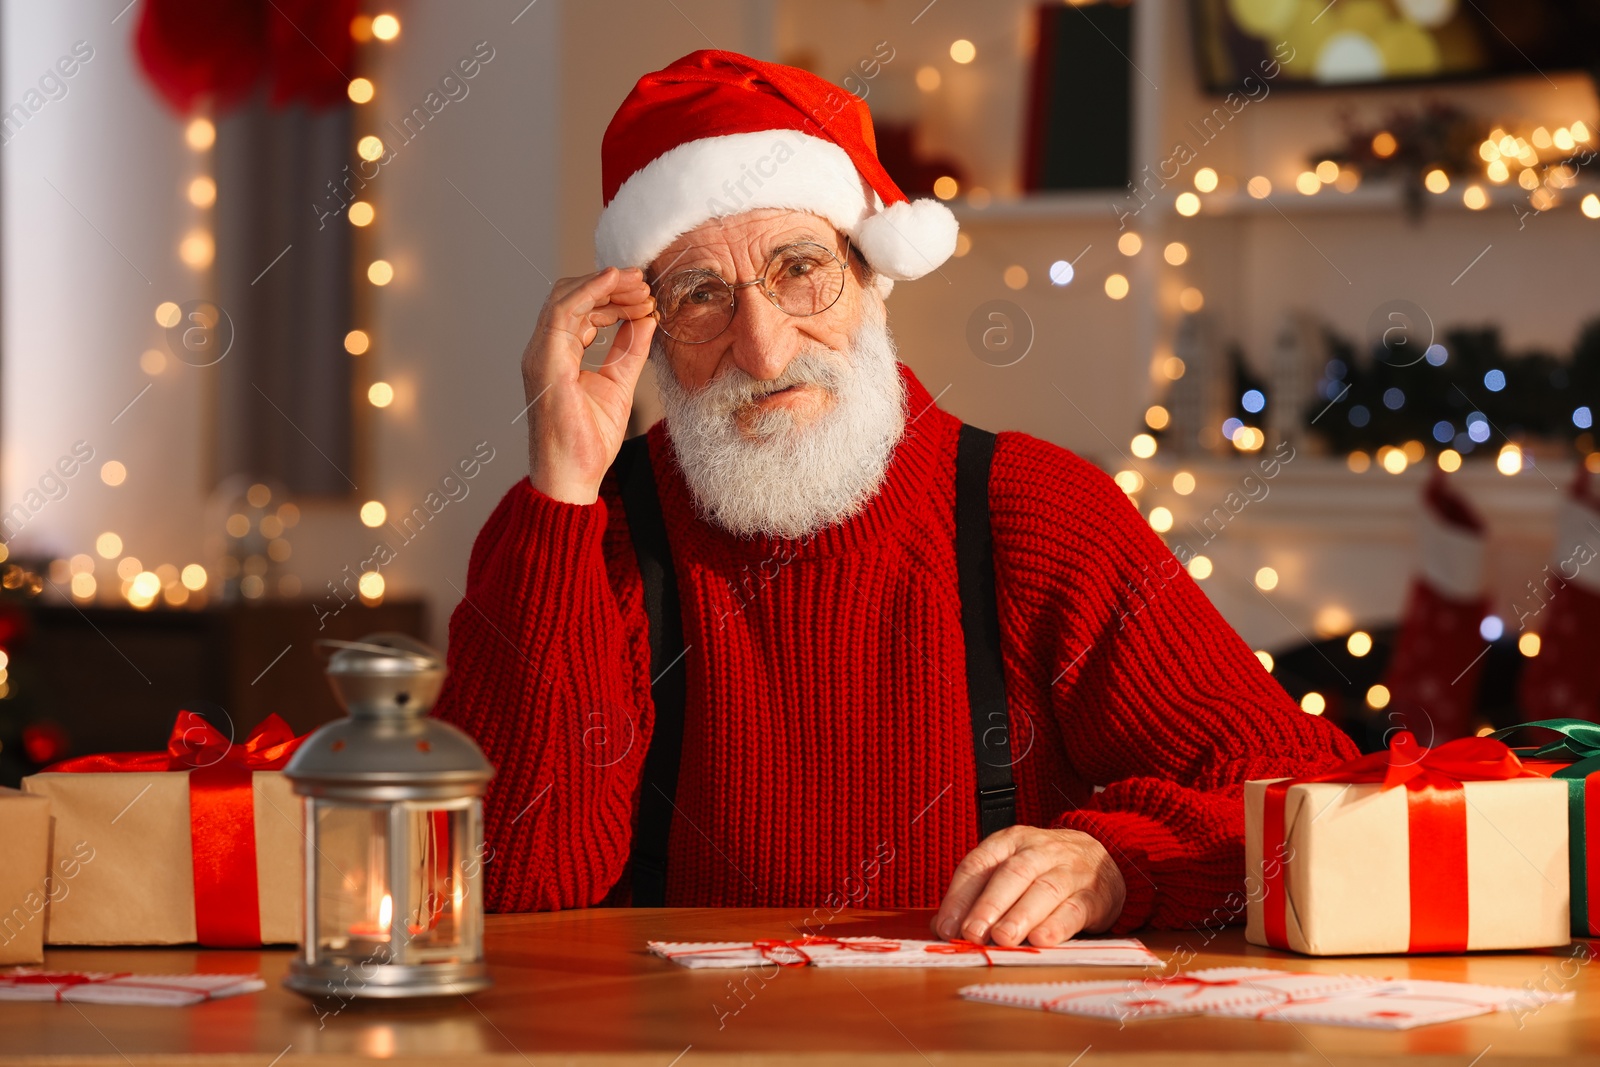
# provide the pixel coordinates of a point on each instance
(222, 828)
(1591, 855)
(1436, 812)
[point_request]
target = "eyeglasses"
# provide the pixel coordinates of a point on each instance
(801, 279)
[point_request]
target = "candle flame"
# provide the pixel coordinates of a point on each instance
(386, 911)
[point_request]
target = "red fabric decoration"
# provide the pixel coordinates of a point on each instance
(310, 53)
(219, 50)
(45, 742)
(827, 750)
(1433, 676)
(1563, 606)
(15, 626)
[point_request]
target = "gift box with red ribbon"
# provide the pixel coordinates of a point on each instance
(1413, 849)
(1574, 760)
(27, 881)
(200, 843)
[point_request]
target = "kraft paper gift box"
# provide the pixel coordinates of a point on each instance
(210, 850)
(27, 877)
(1449, 849)
(1573, 759)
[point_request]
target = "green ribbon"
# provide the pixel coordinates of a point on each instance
(1579, 743)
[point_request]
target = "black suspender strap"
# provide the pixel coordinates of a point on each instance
(648, 530)
(980, 625)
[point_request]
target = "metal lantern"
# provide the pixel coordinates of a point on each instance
(394, 833)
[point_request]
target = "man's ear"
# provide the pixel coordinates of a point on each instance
(866, 276)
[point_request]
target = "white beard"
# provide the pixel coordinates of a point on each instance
(785, 480)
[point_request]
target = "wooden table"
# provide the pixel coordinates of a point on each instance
(578, 988)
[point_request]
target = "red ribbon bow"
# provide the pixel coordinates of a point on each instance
(960, 947)
(60, 981)
(222, 829)
(770, 947)
(1436, 809)
(1199, 985)
(800, 944)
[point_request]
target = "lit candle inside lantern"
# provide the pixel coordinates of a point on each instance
(380, 929)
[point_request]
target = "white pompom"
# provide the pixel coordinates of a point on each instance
(908, 239)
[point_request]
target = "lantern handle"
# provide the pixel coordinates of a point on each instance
(376, 649)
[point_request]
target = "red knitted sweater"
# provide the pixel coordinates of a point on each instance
(827, 726)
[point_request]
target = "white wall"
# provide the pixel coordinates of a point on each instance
(448, 332)
(93, 211)
(468, 213)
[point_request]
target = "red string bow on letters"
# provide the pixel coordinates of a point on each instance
(960, 947)
(792, 952)
(1436, 808)
(1196, 983)
(222, 829)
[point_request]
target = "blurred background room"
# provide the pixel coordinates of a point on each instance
(1314, 281)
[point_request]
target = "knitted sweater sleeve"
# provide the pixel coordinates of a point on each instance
(1162, 710)
(548, 671)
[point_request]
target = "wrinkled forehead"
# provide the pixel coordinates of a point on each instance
(742, 244)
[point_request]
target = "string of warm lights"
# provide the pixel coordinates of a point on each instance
(1504, 155)
(143, 587)
(378, 272)
(138, 585)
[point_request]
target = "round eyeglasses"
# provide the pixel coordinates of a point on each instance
(801, 279)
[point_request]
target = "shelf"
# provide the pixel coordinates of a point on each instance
(1095, 204)
(1373, 196)
(1322, 497)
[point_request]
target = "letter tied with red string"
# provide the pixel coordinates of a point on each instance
(818, 951)
(227, 905)
(1436, 808)
(108, 987)
(1213, 989)
(1366, 1001)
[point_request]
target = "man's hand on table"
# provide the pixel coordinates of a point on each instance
(1030, 884)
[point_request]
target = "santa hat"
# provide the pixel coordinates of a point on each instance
(717, 133)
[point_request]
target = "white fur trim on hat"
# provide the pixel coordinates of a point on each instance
(908, 239)
(719, 176)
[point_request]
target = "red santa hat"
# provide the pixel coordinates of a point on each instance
(717, 133)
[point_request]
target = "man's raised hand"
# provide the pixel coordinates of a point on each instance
(577, 418)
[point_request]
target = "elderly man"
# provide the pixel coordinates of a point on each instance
(810, 641)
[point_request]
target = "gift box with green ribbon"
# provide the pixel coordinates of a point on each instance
(1574, 758)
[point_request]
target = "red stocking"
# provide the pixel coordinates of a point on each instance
(1433, 676)
(1563, 607)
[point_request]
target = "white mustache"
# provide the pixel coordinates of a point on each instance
(733, 388)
